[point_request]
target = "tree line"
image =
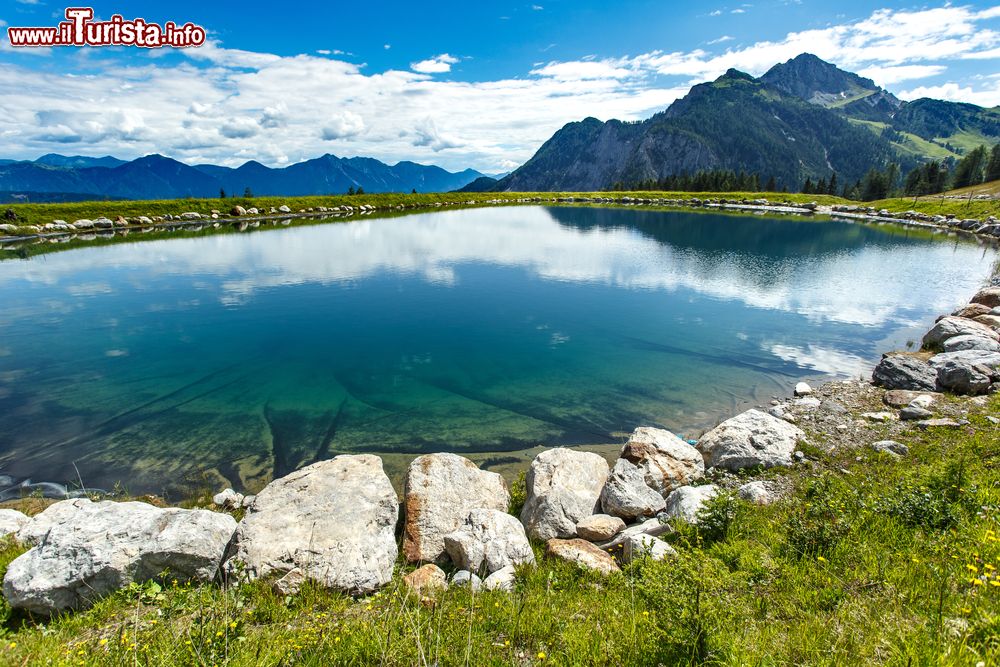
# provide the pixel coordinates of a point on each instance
(981, 165)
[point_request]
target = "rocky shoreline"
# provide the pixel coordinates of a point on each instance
(243, 219)
(340, 523)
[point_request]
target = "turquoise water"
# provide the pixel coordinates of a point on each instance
(247, 355)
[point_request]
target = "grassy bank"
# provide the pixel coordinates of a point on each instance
(38, 214)
(869, 560)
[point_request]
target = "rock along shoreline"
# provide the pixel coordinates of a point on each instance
(243, 219)
(340, 524)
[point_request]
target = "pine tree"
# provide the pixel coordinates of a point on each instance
(807, 187)
(771, 185)
(970, 169)
(350, 190)
(222, 193)
(831, 188)
(247, 192)
(993, 166)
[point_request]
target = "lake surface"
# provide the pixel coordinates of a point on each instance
(492, 329)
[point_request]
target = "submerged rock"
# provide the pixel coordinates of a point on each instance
(563, 487)
(86, 550)
(439, 491)
(750, 439)
(335, 520)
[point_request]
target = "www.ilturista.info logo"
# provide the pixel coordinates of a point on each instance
(79, 29)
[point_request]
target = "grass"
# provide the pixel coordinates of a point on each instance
(31, 214)
(991, 188)
(871, 560)
(939, 205)
(38, 214)
(911, 144)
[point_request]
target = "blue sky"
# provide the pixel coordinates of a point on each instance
(455, 84)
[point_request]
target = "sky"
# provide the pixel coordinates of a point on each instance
(460, 85)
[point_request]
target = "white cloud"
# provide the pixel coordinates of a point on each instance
(720, 40)
(387, 46)
(427, 134)
(583, 70)
(343, 125)
(717, 12)
(537, 8)
(435, 65)
(987, 97)
(738, 11)
(239, 128)
(886, 76)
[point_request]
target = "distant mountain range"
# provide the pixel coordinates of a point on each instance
(71, 178)
(805, 118)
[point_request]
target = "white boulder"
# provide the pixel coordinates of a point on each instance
(563, 487)
(439, 491)
(335, 520)
(86, 550)
(489, 540)
(687, 501)
(626, 495)
(750, 439)
(666, 461)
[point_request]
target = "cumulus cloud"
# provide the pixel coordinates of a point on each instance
(427, 134)
(435, 65)
(987, 97)
(342, 125)
(240, 128)
(886, 76)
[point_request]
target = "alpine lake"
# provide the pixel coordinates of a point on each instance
(227, 359)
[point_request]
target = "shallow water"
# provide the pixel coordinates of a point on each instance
(247, 355)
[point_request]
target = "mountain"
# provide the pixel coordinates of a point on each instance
(62, 178)
(819, 82)
(805, 118)
(76, 161)
(481, 184)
